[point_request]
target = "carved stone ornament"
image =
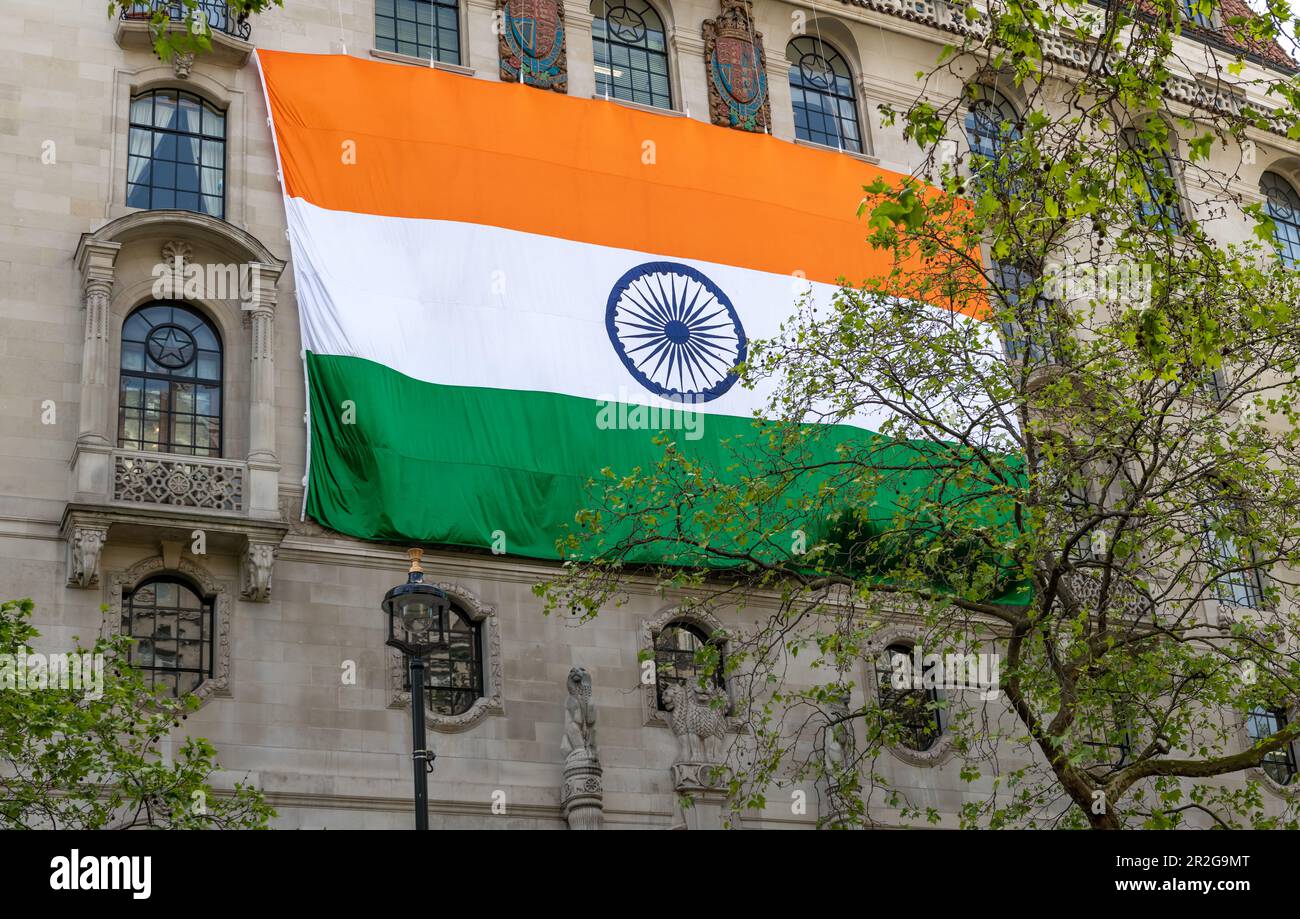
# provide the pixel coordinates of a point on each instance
(291, 513)
(698, 718)
(256, 566)
(700, 778)
(737, 69)
(85, 544)
(533, 41)
(487, 704)
(219, 683)
(183, 64)
(176, 249)
(190, 481)
(582, 792)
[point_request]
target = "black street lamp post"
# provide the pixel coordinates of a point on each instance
(417, 626)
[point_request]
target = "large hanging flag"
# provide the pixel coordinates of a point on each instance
(503, 291)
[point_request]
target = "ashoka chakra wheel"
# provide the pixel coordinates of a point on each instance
(675, 331)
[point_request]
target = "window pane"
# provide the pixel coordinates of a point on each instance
(179, 123)
(158, 404)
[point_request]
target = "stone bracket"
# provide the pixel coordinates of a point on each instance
(85, 545)
(256, 566)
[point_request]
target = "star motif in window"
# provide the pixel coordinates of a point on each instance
(171, 347)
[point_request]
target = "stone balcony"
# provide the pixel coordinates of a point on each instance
(230, 34)
(165, 480)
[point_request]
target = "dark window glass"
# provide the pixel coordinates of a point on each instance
(1160, 205)
(1029, 337)
(453, 676)
(172, 630)
(421, 28)
(1262, 723)
(676, 659)
(1283, 205)
(916, 709)
(176, 153)
(631, 52)
(821, 87)
(1243, 587)
(169, 394)
(991, 122)
(1192, 13)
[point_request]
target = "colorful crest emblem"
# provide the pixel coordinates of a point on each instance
(737, 69)
(533, 43)
(733, 51)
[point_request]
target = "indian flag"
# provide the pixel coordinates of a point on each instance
(503, 291)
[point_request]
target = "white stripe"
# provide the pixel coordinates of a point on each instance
(474, 305)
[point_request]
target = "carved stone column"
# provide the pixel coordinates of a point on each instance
(263, 464)
(686, 47)
(582, 796)
(92, 464)
(578, 19)
(701, 795)
(778, 88)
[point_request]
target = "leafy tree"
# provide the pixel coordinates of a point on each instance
(1100, 483)
(181, 26)
(72, 759)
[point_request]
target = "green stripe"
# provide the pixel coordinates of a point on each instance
(452, 465)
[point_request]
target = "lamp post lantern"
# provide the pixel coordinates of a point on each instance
(417, 625)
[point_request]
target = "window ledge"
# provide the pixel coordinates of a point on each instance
(420, 62)
(865, 157)
(133, 35)
(641, 106)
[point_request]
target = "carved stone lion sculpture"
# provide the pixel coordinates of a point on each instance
(697, 724)
(579, 715)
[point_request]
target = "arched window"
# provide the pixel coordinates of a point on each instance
(1262, 723)
(916, 708)
(453, 676)
(1284, 207)
(821, 87)
(172, 628)
(177, 153)
(991, 121)
(428, 29)
(677, 658)
(631, 52)
(169, 398)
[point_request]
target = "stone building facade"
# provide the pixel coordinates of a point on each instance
(88, 516)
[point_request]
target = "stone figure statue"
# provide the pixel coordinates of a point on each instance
(579, 715)
(582, 794)
(697, 724)
(839, 741)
